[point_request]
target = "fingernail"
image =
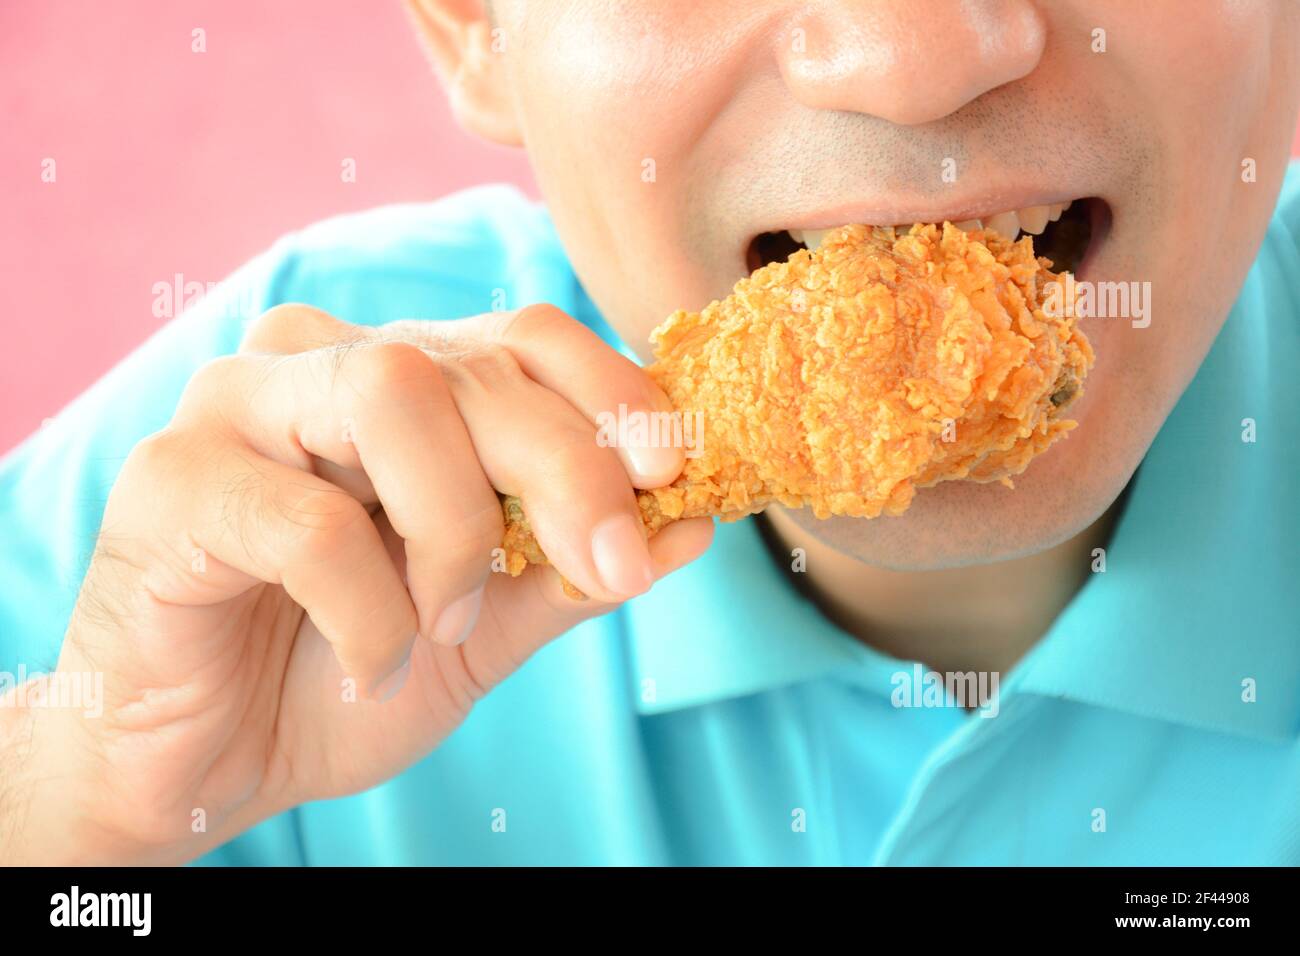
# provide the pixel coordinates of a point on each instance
(390, 686)
(650, 462)
(622, 559)
(458, 618)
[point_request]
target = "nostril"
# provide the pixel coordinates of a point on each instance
(909, 63)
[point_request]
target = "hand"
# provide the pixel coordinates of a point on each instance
(292, 595)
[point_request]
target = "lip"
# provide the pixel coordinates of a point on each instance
(879, 214)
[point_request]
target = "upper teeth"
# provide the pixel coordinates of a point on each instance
(812, 238)
(1031, 219)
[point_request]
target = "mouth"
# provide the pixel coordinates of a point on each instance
(1065, 233)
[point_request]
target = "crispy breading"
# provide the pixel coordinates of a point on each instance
(844, 379)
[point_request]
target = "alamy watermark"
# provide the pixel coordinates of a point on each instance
(973, 690)
(171, 297)
(74, 690)
(637, 429)
(1099, 300)
(133, 911)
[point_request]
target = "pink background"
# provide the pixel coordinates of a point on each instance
(170, 161)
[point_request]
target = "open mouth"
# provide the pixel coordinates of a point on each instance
(1063, 233)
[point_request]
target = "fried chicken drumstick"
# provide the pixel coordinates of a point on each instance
(846, 378)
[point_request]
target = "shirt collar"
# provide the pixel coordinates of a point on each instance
(727, 626)
(1199, 604)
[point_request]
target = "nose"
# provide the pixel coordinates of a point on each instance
(907, 61)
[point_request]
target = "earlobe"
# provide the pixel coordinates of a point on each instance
(468, 52)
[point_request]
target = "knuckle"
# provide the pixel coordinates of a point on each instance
(533, 321)
(491, 366)
(212, 380)
(277, 323)
(389, 366)
(472, 539)
(432, 383)
(155, 456)
(318, 522)
(152, 451)
(153, 480)
(572, 451)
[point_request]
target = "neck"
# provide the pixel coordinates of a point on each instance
(979, 618)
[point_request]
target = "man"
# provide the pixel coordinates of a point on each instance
(290, 597)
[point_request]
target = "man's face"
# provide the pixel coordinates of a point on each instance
(671, 138)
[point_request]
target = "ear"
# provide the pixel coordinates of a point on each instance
(468, 52)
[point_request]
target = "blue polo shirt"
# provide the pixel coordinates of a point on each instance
(720, 718)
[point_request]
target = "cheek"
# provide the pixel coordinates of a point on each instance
(593, 93)
(604, 96)
(1196, 203)
(615, 103)
(1215, 83)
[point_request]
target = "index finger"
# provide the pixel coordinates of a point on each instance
(563, 355)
